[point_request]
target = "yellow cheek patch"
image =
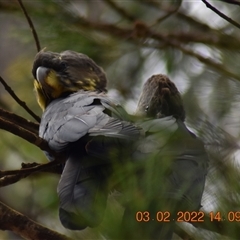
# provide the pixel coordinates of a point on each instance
(41, 99)
(53, 82)
(56, 87)
(52, 87)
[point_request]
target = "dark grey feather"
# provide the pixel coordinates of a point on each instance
(74, 127)
(82, 198)
(173, 177)
(69, 119)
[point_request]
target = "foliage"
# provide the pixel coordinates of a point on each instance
(131, 40)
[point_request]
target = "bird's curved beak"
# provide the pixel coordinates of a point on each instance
(49, 82)
(41, 87)
(41, 74)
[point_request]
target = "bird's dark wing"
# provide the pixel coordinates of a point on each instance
(82, 193)
(69, 125)
(67, 120)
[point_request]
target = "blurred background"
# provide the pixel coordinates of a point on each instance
(131, 40)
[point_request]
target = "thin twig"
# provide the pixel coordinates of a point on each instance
(37, 168)
(11, 179)
(24, 134)
(120, 11)
(150, 3)
(206, 60)
(196, 24)
(132, 34)
(8, 180)
(34, 139)
(20, 121)
(169, 13)
(206, 38)
(222, 15)
(232, 2)
(31, 26)
(20, 102)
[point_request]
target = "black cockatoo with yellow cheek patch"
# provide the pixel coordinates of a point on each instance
(80, 122)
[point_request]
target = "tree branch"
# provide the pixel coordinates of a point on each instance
(24, 226)
(28, 131)
(8, 180)
(206, 60)
(169, 13)
(36, 168)
(194, 22)
(31, 25)
(232, 2)
(141, 31)
(225, 41)
(121, 11)
(24, 133)
(11, 179)
(16, 98)
(222, 15)
(12, 117)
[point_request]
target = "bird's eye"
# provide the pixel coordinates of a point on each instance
(63, 64)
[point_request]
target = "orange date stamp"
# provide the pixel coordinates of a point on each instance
(188, 216)
(145, 216)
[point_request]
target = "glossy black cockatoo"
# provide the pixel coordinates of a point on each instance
(80, 122)
(171, 183)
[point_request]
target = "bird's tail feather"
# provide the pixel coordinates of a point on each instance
(82, 194)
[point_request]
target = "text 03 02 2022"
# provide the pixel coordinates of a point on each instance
(160, 216)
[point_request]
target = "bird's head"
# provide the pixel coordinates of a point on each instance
(160, 98)
(60, 74)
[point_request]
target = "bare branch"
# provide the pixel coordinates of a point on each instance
(232, 2)
(169, 13)
(11, 179)
(36, 168)
(28, 131)
(56, 169)
(194, 22)
(205, 38)
(31, 26)
(120, 11)
(8, 180)
(28, 125)
(222, 15)
(24, 133)
(151, 3)
(206, 60)
(20, 102)
(13, 176)
(141, 30)
(25, 227)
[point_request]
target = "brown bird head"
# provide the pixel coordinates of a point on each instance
(160, 98)
(60, 74)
